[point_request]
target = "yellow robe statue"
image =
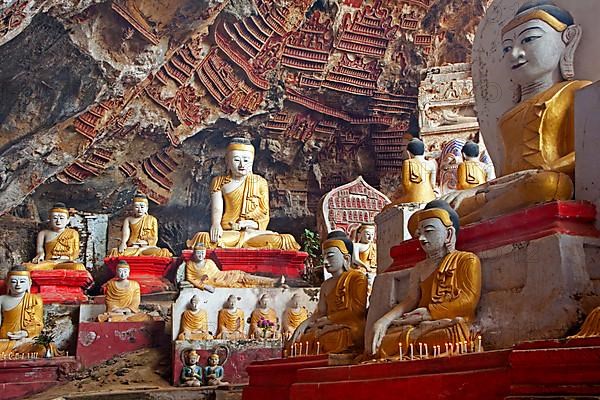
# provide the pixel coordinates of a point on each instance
(66, 244)
(128, 297)
(194, 326)
(210, 274)
(230, 326)
(269, 315)
(451, 291)
(27, 315)
(145, 229)
(369, 257)
(250, 201)
(470, 174)
(346, 308)
(416, 183)
(293, 318)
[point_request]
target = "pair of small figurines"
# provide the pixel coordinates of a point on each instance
(193, 374)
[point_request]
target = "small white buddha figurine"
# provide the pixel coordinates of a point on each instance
(293, 316)
(231, 322)
(194, 322)
(264, 323)
(365, 251)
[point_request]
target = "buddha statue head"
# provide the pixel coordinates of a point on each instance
(470, 150)
(122, 272)
(239, 157)
(366, 233)
(295, 301)
(199, 253)
(436, 226)
(140, 205)
(231, 302)
(18, 281)
(59, 217)
(415, 147)
(263, 301)
(195, 303)
(337, 253)
(538, 46)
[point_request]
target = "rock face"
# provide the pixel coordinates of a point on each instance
(103, 98)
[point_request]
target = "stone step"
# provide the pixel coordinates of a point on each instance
(229, 392)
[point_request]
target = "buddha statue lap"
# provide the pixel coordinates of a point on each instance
(443, 291)
(122, 298)
(194, 322)
(538, 132)
(240, 207)
(472, 172)
(57, 247)
(418, 176)
(139, 234)
(264, 323)
(293, 316)
(230, 324)
(338, 323)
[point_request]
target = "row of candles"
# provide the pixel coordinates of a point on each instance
(301, 349)
(451, 349)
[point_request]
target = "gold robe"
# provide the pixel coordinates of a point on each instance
(27, 315)
(369, 257)
(230, 326)
(591, 325)
(249, 201)
(416, 183)
(293, 318)
(128, 297)
(65, 244)
(452, 290)
(270, 315)
(210, 274)
(470, 173)
(195, 325)
(347, 307)
(146, 229)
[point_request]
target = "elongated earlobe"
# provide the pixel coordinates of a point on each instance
(571, 36)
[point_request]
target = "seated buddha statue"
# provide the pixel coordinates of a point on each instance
(57, 247)
(240, 207)
(264, 323)
(472, 172)
(122, 298)
(21, 315)
(230, 324)
(194, 322)
(365, 251)
(443, 291)
(293, 316)
(418, 176)
(139, 234)
(204, 274)
(538, 133)
(338, 323)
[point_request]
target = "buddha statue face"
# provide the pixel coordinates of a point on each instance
(199, 254)
(367, 234)
(433, 235)
(239, 163)
(122, 273)
(140, 208)
(195, 303)
(263, 301)
(335, 261)
(58, 220)
(231, 302)
(295, 301)
(18, 285)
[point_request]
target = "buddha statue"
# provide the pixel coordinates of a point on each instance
(338, 323)
(203, 273)
(57, 247)
(418, 176)
(365, 251)
(122, 298)
(194, 322)
(264, 323)
(230, 324)
(213, 372)
(293, 316)
(240, 207)
(139, 234)
(472, 172)
(538, 133)
(21, 315)
(443, 291)
(191, 373)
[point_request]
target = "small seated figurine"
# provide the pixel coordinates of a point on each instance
(123, 298)
(365, 251)
(338, 323)
(264, 323)
(204, 274)
(472, 172)
(240, 207)
(194, 322)
(443, 291)
(213, 372)
(230, 324)
(139, 234)
(57, 247)
(191, 373)
(538, 44)
(21, 315)
(418, 176)
(293, 316)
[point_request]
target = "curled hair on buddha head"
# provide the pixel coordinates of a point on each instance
(19, 270)
(240, 143)
(416, 147)
(445, 206)
(471, 149)
(548, 6)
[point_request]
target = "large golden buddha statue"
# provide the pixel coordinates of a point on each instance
(57, 247)
(443, 292)
(418, 176)
(538, 133)
(122, 298)
(231, 322)
(21, 315)
(240, 207)
(338, 323)
(194, 322)
(139, 234)
(472, 172)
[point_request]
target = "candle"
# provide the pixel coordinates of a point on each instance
(447, 348)
(420, 349)
(472, 347)
(307, 348)
(400, 350)
(466, 346)
(411, 351)
(318, 347)
(433, 350)
(285, 353)
(426, 351)
(300, 351)
(479, 349)
(439, 349)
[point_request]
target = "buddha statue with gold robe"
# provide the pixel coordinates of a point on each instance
(203, 273)
(139, 234)
(338, 324)
(538, 132)
(122, 298)
(418, 176)
(443, 292)
(21, 315)
(231, 322)
(240, 207)
(57, 247)
(264, 323)
(293, 316)
(194, 322)
(472, 172)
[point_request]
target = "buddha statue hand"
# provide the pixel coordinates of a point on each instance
(456, 197)
(124, 311)
(379, 330)
(244, 224)
(321, 322)
(18, 335)
(414, 317)
(216, 232)
(303, 327)
(38, 258)
(122, 247)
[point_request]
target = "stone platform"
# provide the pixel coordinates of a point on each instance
(61, 286)
(150, 272)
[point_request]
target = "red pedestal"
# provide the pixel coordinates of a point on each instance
(566, 217)
(22, 378)
(100, 341)
(265, 262)
(61, 286)
(149, 272)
